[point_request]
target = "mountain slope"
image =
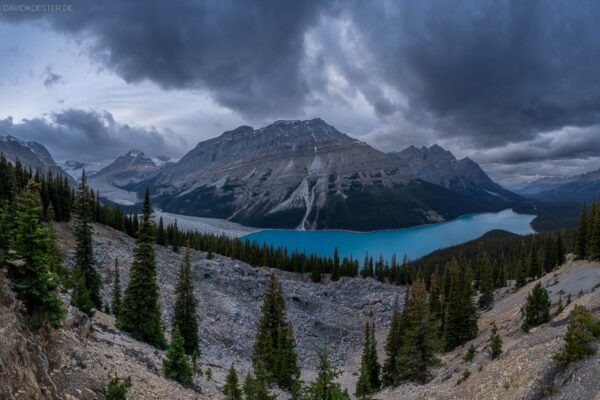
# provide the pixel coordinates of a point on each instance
(526, 365)
(31, 154)
(439, 166)
(77, 359)
(308, 175)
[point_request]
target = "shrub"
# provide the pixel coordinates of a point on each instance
(583, 329)
(470, 354)
(117, 388)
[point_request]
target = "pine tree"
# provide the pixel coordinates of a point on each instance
(287, 371)
(335, 272)
(372, 360)
(581, 235)
(232, 389)
(392, 346)
(436, 298)
(417, 356)
(34, 282)
(273, 348)
(184, 312)
(521, 278)
(116, 295)
(325, 386)
(160, 232)
(534, 269)
(80, 297)
(140, 310)
(5, 230)
(460, 323)
(593, 242)
(495, 343)
(560, 250)
(486, 281)
(368, 381)
(256, 386)
(537, 308)
(177, 365)
(84, 254)
(550, 260)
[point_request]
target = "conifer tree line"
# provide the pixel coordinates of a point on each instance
(497, 259)
(587, 233)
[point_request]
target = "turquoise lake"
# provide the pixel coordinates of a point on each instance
(414, 242)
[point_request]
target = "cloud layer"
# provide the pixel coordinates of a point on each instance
(90, 135)
(504, 80)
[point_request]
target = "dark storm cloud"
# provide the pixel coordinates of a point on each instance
(566, 144)
(89, 135)
(490, 72)
(246, 53)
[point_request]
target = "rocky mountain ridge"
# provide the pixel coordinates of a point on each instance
(31, 154)
(439, 166)
(309, 175)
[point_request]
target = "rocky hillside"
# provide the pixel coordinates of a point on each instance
(526, 367)
(230, 294)
(309, 175)
(76, 361)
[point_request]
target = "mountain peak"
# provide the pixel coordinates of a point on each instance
(135, 153)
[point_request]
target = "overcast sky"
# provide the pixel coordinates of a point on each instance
(515, 85)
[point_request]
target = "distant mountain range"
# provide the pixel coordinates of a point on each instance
(584, 187)
(293, 174)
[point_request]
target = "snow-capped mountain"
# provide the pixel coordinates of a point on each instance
(74, 168)
(31, 154)
(309, 175)
(128, 169)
